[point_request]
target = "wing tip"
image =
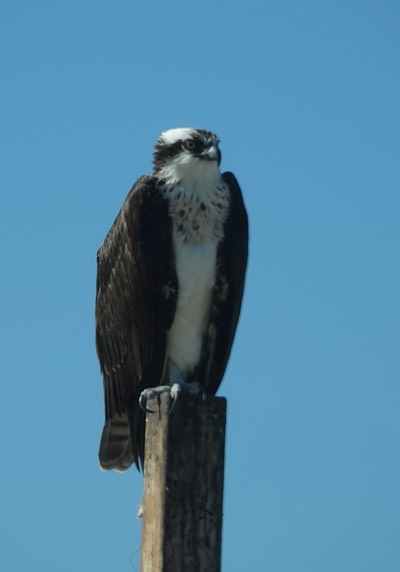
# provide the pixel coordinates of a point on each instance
(115, 451)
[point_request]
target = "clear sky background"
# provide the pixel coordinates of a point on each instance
(305, 96)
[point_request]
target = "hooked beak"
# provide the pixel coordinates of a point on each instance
(212, 154)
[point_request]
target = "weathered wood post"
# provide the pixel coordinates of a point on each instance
(183, 485)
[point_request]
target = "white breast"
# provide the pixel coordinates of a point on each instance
(195, 267)
(198, 206)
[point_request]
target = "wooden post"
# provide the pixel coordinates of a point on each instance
(183, 485)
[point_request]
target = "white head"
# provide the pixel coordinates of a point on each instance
(184, 151)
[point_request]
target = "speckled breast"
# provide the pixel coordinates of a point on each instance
(198, 214)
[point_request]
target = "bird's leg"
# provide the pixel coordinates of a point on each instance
(175, 390)
(178, 388)
(151, 392)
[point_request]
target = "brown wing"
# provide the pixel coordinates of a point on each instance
(133, 313)
(228, 291)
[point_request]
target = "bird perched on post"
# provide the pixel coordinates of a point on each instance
(170, 278)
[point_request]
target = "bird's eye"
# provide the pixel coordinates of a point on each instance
(190, 144)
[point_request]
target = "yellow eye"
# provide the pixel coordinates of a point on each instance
(190, 144)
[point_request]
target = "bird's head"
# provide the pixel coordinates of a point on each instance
(185, 152)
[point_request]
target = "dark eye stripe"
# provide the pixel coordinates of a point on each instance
(164, 152)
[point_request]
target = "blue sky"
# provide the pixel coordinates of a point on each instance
(305, 98)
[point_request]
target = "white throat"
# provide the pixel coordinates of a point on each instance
(191, 173)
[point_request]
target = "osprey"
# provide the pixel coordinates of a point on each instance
(170, 278)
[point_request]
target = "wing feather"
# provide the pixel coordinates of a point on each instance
(228, 291)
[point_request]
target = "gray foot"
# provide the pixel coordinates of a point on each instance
(151, 392)
(175, 390)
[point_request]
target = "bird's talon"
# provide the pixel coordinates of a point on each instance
(174, 393)
(144, 396)
(174, 400)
